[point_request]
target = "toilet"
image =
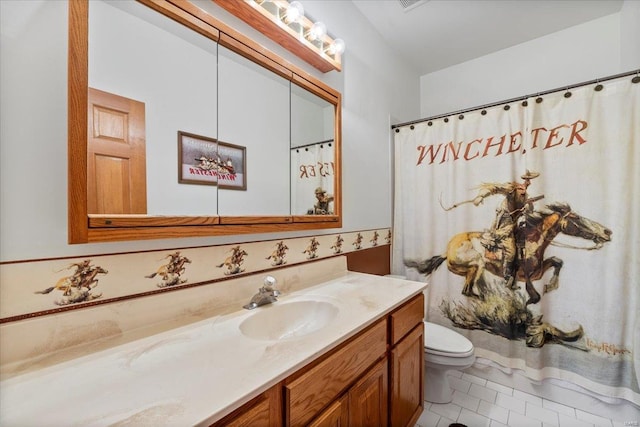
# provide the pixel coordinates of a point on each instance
(444, 350)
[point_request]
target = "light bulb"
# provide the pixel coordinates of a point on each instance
(317, 31)
(337, 47)
(295, 11)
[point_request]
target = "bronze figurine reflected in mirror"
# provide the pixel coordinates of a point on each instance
(322, 203)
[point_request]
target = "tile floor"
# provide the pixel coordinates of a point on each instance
(481, 403)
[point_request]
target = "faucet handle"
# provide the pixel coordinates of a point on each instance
(270, 282)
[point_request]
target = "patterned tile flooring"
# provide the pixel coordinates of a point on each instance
(481, 403)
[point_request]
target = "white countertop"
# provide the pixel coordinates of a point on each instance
(195, 374)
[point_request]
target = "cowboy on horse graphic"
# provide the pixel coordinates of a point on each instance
(506, 238)
(512, 251)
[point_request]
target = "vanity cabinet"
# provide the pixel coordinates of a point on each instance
(364, 404)
(406, 368)
(373, 379)
(264, 410)
(368, 404)
(336, 415)
(310, 390)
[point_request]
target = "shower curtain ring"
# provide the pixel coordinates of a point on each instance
(598, 87)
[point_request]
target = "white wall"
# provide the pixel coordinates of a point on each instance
(630, 34)
(598, 48)
(377, 90)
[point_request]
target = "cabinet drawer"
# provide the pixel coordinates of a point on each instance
(406, 318)
(310, 392)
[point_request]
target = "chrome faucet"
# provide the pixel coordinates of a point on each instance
(266, 294)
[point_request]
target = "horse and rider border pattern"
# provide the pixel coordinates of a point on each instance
(36, 288)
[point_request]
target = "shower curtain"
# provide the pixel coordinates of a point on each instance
(523, 220)
(312, 172)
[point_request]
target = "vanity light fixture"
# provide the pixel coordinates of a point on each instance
(337, 47)
(317, 31)
(293, 13)
(285, 23)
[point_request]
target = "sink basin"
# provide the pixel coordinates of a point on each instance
(283, 320)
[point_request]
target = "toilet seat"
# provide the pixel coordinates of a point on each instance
(441, 341)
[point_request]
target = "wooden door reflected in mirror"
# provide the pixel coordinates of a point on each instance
(116, 155)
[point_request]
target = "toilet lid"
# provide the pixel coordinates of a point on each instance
(443, 340)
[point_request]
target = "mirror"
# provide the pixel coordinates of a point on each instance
(138, 54)
(312, 153)
(215, 119)
(254, 113)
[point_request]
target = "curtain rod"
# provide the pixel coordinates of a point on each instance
(520, 98)
(328, 141)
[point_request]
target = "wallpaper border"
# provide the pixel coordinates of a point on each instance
(44, 287)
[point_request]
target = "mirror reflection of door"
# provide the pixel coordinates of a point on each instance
(116, 159)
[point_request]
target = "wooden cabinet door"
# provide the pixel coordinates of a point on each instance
(336, 415)
(116, 155)
(263, 411)
(407, 379)
(368, 398)
(310, 390)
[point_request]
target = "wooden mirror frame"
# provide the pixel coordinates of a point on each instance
(85, 228)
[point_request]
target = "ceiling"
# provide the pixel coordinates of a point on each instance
(436, 34)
